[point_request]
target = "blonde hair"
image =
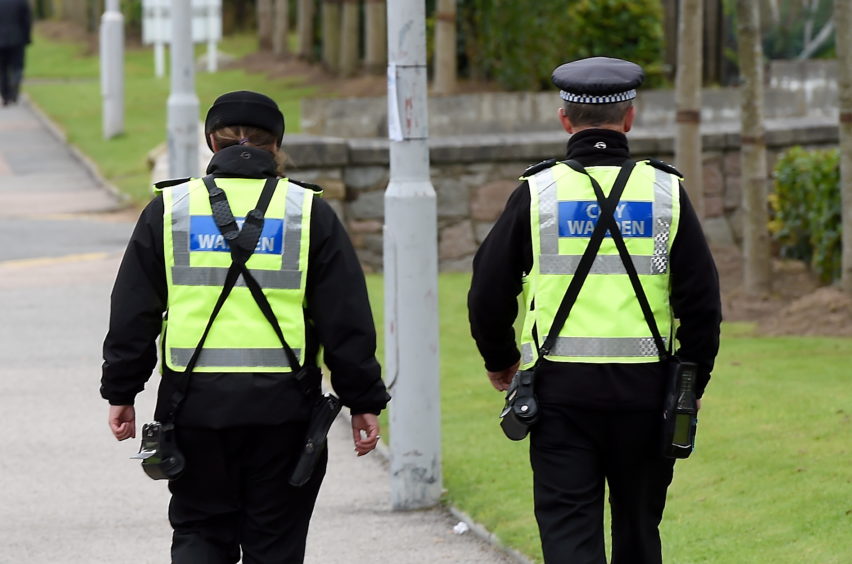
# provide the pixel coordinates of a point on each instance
(252, 136)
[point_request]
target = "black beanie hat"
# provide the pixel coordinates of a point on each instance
(244, 107)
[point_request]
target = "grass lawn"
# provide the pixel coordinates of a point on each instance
(64, 82)
(770, 480)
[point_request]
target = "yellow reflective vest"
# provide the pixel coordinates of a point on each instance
(197, 258)
(606, 324)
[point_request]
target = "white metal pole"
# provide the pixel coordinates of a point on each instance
(112, 69)
(159, 20)
(411, 269)
(183, 103)
(159, 59)
(211, 18)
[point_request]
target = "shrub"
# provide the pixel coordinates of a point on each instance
(518, 43)
(807, 209)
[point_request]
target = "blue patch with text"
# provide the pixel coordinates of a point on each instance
(578, 219)
(205, 236)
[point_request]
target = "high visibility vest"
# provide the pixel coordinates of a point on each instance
(197, 259)
(605, 324)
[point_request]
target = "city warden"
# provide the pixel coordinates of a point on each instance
(600, 388)
(229, 384)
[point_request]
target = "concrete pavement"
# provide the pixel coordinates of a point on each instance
(68, 493)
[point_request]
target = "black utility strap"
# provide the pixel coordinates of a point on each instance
(607, 211)
(242, 243)
(263, 304)
(183, 377)
(618, 239)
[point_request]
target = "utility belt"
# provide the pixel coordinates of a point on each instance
(159, 452)
(679, 422)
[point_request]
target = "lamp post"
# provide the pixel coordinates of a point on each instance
(411, 269)
(183, 102)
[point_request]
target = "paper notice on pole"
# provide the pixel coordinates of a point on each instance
(394, 121)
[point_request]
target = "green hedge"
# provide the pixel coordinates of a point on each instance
(806, 206)
(518, 43)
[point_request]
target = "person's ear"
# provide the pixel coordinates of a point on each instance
(628, 118)
(566, 122)
(213, 144)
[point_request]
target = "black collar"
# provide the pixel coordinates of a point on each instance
(598, 147)
(243, 161)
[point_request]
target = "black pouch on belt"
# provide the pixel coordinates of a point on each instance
(323, 413)
(521, 410)
(160, 456)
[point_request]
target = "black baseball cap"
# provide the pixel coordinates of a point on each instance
(245, 107)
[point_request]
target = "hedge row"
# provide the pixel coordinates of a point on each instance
(807, 217)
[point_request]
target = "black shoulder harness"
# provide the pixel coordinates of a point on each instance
(307, 185)
(665, 167)
(173, 182)
(538, 167)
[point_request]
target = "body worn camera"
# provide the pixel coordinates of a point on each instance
(161, 459)
(680, 410)
(521, 410)
(323, 413)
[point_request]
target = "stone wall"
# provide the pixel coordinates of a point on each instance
(473, 175)
(793, 89)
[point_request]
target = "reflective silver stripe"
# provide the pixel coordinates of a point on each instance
(547, 212)
(271, 358)
(180, 224)
(293, 229)
(604, 264)
(606, 347)
(288, 278)
(526, 353)
(213, 276)
(551, 262)
(662, 221)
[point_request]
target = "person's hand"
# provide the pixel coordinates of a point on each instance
(122, 421)
(697, 405)
(501, 380)
(365, 432)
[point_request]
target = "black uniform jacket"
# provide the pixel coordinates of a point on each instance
(337, 312)
(506, 254)
(15, 23)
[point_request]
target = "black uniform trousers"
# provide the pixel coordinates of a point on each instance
(572, 452)
(235, 494)
(11, 72)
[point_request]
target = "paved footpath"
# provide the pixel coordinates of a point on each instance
(68, 493)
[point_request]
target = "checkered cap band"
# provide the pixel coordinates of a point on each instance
(590, 99)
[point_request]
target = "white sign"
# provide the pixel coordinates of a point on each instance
(157, 21)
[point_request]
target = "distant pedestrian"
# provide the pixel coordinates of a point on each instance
(249, 280)
(15, 30)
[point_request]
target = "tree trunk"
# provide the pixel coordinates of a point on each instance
(757, 264)
(281, 28)
(349, 55)
(445, 48)
(688, 102)
(376, 35)
(306, 29)
(331, 26)
(670, 19)
(843, 24)
(264, 24)
(75, 12)
(713, 41)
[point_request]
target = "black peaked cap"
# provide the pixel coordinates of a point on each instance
(598, 80)
(244, 107)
